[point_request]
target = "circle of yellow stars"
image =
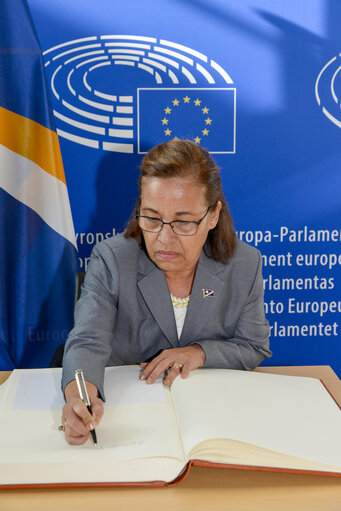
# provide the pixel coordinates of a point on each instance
(197, 102)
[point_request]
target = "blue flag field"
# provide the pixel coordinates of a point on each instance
(37, 257)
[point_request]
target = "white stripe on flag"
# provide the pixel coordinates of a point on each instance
(37, 189)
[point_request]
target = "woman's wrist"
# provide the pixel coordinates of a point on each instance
(71, 390)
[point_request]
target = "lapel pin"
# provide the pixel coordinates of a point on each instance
(207, 292)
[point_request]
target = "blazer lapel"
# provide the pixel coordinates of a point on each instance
(154, 289)
(201, 308)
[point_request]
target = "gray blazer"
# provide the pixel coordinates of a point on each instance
(125, 314)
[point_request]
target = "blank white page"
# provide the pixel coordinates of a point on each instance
(287, 414)
(138, 439)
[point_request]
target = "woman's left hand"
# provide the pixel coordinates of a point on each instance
(174, 361)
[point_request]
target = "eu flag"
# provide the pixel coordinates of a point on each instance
(38, 249)
(205, 115)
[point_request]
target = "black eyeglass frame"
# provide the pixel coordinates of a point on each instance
(162, 223)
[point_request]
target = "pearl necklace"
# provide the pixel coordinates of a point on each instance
(180, 302)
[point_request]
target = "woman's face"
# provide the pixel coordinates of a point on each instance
(176, 199)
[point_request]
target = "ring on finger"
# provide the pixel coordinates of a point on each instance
(62, 426)
(178, 366)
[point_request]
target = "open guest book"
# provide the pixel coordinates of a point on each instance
(150, 435)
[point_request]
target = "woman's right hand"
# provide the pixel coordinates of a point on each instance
(76, 419)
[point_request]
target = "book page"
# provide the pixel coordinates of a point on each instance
(290, 415)
(40, 390)
(138, 439)
(123, 386)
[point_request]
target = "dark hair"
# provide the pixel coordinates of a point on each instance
(188, 160)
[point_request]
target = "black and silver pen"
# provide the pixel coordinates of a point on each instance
(84, 397)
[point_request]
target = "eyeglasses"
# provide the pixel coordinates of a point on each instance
(179, 227)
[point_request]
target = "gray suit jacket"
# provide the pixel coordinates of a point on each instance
(125, 314)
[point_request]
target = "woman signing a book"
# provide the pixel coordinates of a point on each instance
(175, 292)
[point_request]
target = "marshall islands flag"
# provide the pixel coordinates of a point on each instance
(37, 241)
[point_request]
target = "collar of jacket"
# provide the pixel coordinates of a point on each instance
(153, 286)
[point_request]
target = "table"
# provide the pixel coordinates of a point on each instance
(205, 488)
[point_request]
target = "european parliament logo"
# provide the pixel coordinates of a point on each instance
(127, 93)
(328, 90)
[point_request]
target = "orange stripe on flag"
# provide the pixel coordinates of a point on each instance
(33, 141)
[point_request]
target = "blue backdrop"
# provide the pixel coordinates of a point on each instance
(258, 83)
